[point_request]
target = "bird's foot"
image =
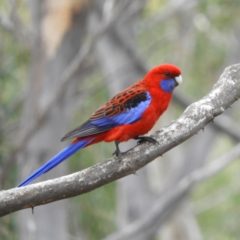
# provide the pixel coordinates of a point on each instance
(117, 152)
(146, 139)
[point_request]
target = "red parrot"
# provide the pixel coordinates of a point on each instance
(129, 114)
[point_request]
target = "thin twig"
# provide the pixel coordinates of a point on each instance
(13, 23)
(164, 14)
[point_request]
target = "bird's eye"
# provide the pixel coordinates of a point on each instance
(168, 74)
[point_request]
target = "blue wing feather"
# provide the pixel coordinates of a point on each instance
(131, 115)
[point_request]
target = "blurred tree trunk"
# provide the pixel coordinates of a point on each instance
(59, 30)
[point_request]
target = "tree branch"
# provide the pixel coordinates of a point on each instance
(224, 124)
(168, 201)
(225, 92)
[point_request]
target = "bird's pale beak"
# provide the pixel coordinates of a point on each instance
(178, 79)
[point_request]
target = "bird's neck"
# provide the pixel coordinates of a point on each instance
(160, 99)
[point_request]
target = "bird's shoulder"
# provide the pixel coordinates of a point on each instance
(129, 98)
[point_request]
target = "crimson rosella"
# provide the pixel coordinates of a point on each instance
(128, 115)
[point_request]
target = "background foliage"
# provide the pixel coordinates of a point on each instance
(209, 46)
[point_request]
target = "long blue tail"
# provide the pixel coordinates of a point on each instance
(64, 154)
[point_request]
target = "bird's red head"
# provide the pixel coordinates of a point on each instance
(166, 76)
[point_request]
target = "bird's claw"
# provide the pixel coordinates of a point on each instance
(146, 139)
(117, 152)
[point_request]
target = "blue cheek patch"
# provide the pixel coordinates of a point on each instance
(168, 85)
